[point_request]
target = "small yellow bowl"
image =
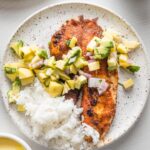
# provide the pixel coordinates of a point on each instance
(9, 141)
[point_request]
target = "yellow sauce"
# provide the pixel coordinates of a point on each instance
(9, 144)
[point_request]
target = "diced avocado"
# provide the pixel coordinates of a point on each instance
(73, 42)
(76, 51)
(55, 89)
(128, 83)
(97, 57)
(131, 45)
(123, 60)
(42, 53)
(80, 63)
(71, 83)
(65, 89)
(15, 46)
(93, 44)
(133, 68)
(11, 72)
(61, 64)
(68, 42)
(26, 53)
(112, 64)
(104, 50)
(122, 49)
(47, 82)
(21, 108)
(72, 60)
(50, 62)
(62, 75)
(14, 91)
(108, 44)
(81, 80)
(73, 69)
(73, 55)
(94, 66)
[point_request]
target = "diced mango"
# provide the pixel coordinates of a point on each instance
(60, 64)
(128, 83)
(25, 73)
(123, 60)
(27, 81)
(131, 44)
(55, 89)
(66, 88)
(81, 80)
(73, 42)
(122, 49)
(21, 108)
(94, 66)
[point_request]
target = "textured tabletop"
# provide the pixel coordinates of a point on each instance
(136, 12)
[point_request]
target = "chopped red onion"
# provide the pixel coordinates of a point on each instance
(98, 83)
(103, 87)
(91, 60)
(91, 57)
(85, 74)
(88, 54)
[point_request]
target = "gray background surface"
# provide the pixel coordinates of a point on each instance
(136, 12)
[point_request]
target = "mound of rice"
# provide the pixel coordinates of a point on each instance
(56, 120)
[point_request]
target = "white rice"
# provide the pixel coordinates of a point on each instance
(56, 120)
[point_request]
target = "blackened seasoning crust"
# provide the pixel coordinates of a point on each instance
(73, 94)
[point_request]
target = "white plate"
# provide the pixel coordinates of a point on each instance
(38, 29)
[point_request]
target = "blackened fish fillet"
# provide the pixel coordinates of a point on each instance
(98, 111)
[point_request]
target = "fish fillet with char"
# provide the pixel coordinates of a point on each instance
(98, 111)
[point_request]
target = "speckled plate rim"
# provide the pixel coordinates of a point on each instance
(115, 14)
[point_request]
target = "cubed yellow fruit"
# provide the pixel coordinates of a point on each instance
(122, 49)
(27, 53)
(94, 66)
(71, 84)
(73, 42)
(25, 73)
(41, 76)
(20, 108)
(81, 80)
(128, 83)
(66, 88)
(123, 60)
(27, 81)
(60, 64)
(112, 62)
(55, 89)
(131, 44)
